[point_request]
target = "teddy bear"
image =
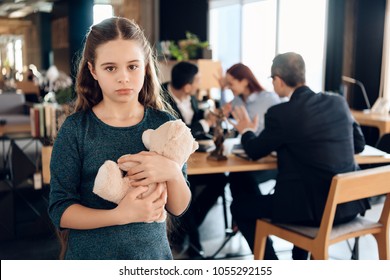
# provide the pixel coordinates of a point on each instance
(172, 139)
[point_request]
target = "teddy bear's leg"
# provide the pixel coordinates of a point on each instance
(109, 182)
(162, 218)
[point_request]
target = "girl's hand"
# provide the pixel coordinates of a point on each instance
(150, 168)
(132, 209)
(154, 168)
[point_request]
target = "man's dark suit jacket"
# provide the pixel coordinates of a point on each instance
(315, 137)
(196, 128)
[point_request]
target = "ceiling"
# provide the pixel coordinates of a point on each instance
(22, 8)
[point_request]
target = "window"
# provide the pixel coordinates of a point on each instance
(304, 32)
(18, 55)
(266, 28)
(224, 32)
(101, 12)
(259, 34)
(11, 59)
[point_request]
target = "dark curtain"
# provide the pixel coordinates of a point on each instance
(178, 16)
(369, 47)
(335, 44)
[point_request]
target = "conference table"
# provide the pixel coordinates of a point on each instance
(199, 164)
(382, 122)
(15, 128)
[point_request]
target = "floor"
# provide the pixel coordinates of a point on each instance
(45, 246)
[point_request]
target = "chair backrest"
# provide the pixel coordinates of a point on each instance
(22, 167)
(12, 103)
(353, 186)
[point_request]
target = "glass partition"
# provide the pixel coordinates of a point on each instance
(254, 31)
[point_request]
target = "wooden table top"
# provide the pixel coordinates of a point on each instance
(199, 164)
(382, 122)
(20, 128)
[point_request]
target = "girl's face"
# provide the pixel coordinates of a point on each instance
(236, 86)
(119, 70)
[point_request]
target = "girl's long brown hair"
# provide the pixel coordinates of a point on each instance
(88, 90)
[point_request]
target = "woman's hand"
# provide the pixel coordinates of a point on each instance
(150, 168)
(132, 209)
(210, 118)
(227, 109)
(243, 120)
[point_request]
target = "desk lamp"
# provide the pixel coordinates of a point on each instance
(360, 84)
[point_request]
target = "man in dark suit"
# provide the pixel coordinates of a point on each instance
(315, 137)
(206, 189)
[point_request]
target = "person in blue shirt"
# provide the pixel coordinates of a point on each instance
(248, 92)
(118, 98)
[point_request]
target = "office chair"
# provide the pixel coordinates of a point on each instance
(344, 188)
(30, 205)
(382, 144)
(21, 167)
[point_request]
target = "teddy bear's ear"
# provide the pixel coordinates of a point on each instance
(177, 128)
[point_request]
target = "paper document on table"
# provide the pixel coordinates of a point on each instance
(205, 146)
(239, 151)
(370, 151)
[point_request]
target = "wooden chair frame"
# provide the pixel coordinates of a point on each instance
(344, 188)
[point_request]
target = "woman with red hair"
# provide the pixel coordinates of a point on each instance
(248, 92)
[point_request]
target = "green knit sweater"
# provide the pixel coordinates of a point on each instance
(83, 144)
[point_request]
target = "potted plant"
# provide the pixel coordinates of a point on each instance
(189, 48)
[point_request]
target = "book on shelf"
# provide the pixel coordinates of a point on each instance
(46, 120)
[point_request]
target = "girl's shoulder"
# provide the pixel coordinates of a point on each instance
(76, 117)
(76, 121)
(163, 116)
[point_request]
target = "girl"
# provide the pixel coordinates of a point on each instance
(117, 100)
